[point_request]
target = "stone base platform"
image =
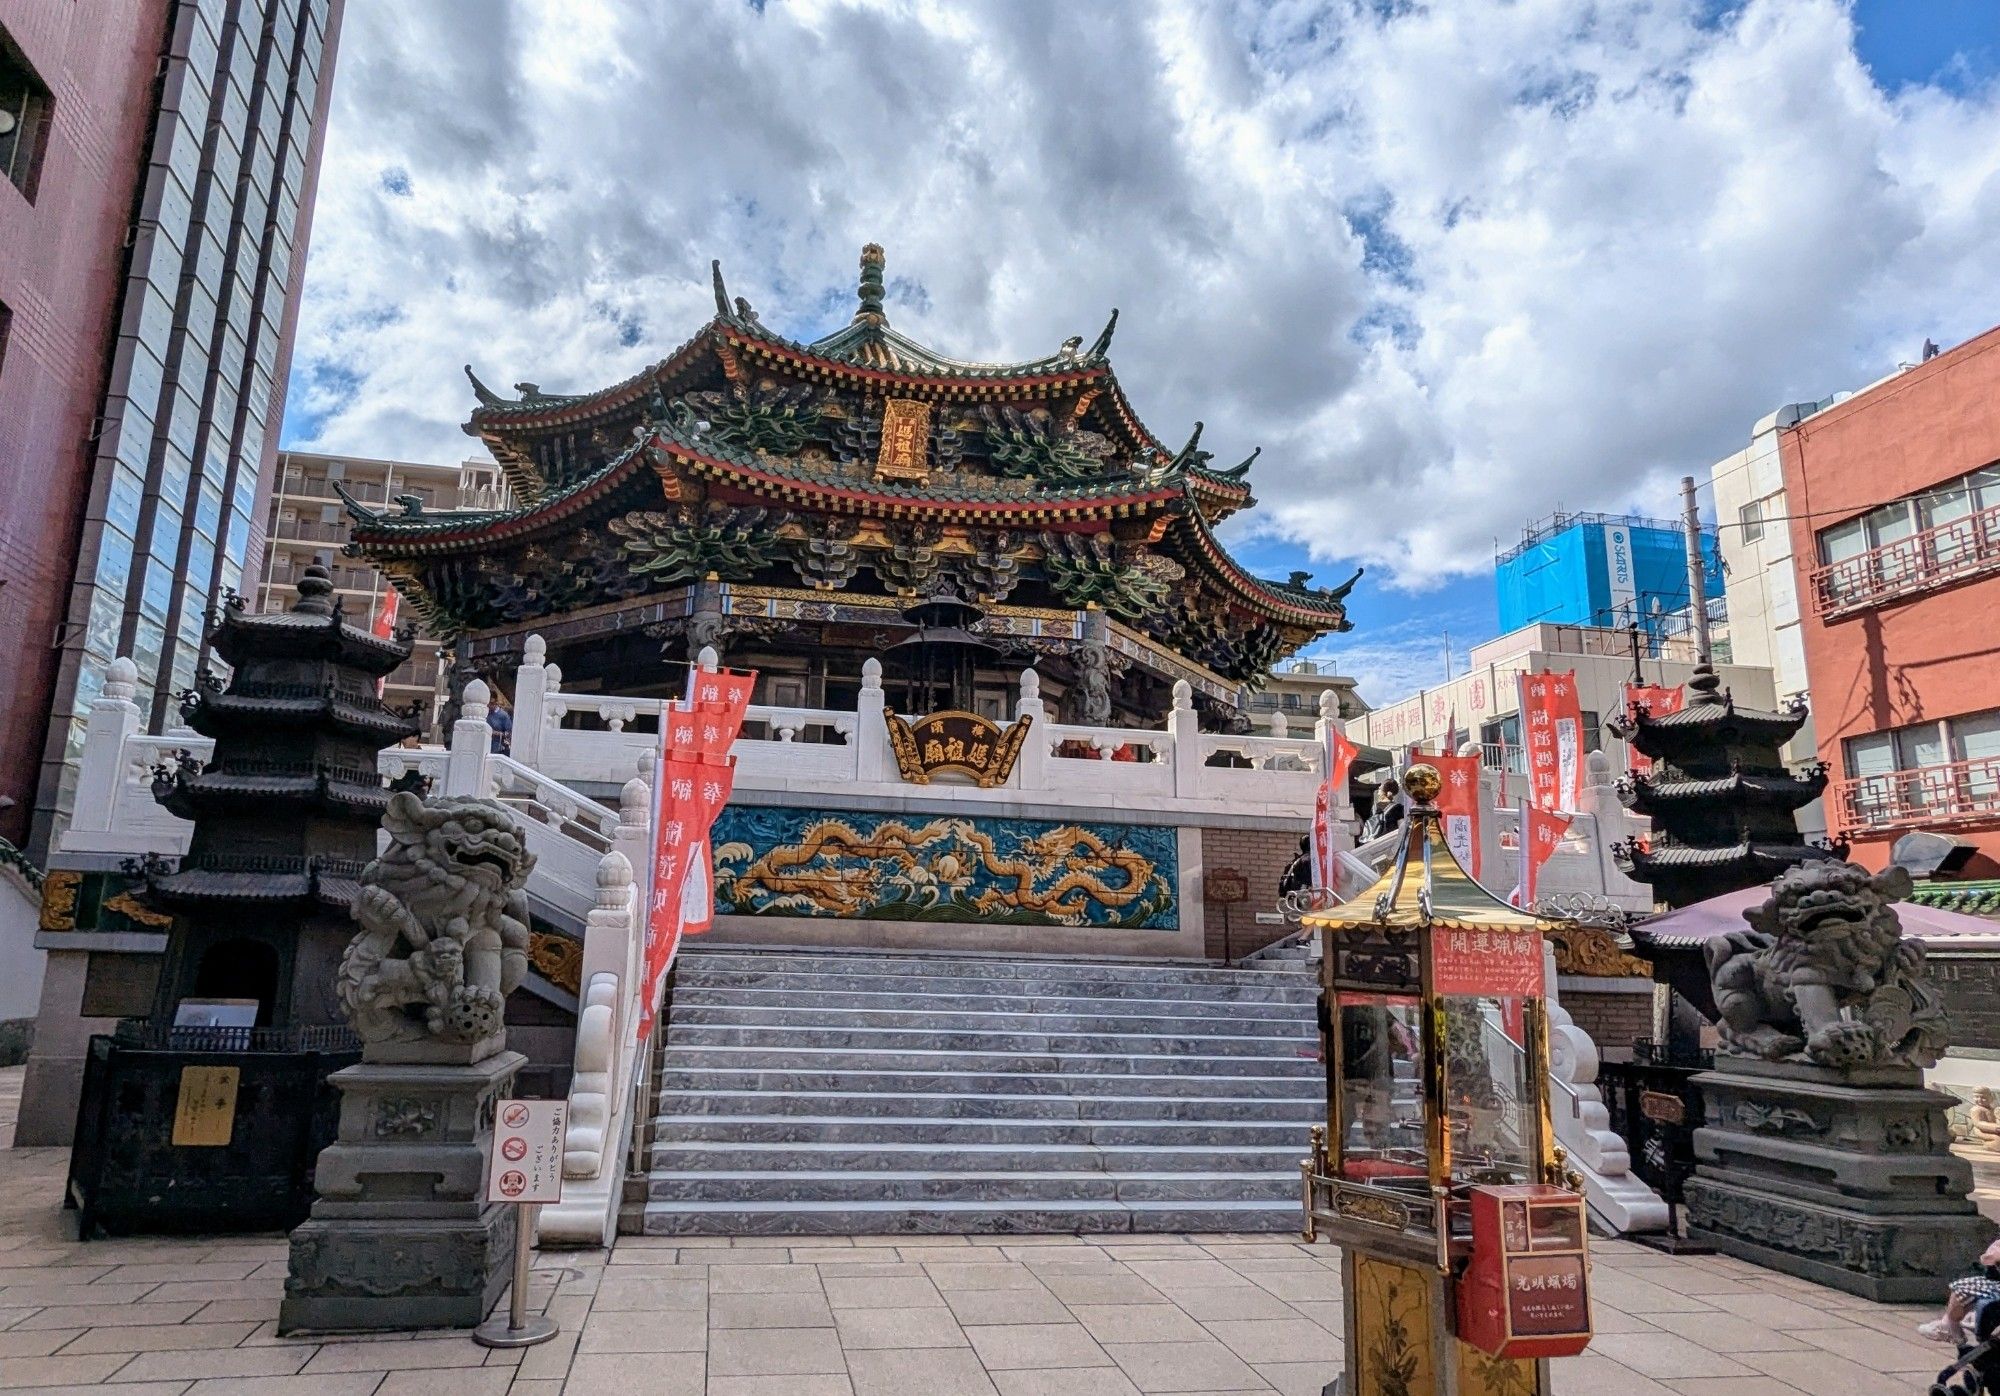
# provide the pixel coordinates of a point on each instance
(1843, 1178)
(401, 1236)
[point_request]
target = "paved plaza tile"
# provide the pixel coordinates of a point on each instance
(877, 1316)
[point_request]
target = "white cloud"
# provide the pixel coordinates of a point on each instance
(1452, 266)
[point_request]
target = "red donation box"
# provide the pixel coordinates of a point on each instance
(1526, 1290)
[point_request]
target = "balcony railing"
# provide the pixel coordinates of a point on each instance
(1936, 557)
(1961, 792)
(310, 530)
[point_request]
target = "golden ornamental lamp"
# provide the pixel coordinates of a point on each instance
(1462, 1234)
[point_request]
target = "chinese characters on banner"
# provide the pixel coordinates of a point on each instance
(1494, 964)
(1458, 807)
(695, 776)
(1541, 833)
(384, 627)
(1657, 700)
(1337, 760)
(1552, 739)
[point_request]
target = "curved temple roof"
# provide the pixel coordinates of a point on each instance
(575, 457)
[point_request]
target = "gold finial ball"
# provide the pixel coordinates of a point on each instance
(1422, 782)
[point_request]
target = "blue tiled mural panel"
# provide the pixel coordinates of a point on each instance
(781, 861)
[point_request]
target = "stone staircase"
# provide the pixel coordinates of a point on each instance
(862, 1093)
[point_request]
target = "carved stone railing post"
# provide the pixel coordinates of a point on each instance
(1328, 722)
(530, 714)
(114, 719)
(471, 741)
(871, 737)
(1184, 724)
(1031, 767)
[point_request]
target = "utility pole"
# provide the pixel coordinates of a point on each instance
(1697, 570)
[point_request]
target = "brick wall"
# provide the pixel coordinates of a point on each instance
(1614, 1020)
(1261, 855)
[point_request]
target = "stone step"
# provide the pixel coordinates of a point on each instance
(833, 1109)
(699, 996)
(824, 1155)
(801, 1037)
(948, 1218)
(907, 1129)
(869, 1185)
(1287, 988)
(817, 1015)
(796, 1078)
(837, 1106)
(809, 1092)
(684, 1057)
(925, 967)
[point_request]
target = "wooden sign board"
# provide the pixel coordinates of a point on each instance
(527, 1160)
(1225, 887)
(205, 1110)
(960, 742)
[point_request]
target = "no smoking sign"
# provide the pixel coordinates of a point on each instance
(527, 1152)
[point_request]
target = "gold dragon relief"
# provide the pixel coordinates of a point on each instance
(777, 862)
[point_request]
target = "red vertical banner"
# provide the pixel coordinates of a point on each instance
(1541, 834)
(1458, 807)
(1337, 760)
(384, 627)
(1658, 700)
(696, 775)
(1552, 739)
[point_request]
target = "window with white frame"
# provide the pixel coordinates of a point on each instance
(1750, 518)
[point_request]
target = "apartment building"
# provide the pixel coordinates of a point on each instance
(306, 524)
(1893, 507)
(1294, 691)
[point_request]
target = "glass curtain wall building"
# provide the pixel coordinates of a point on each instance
(189, 427)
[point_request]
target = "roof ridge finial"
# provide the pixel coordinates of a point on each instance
(870, 289)
(721, 292)
(1705, 682)
(1103, 344)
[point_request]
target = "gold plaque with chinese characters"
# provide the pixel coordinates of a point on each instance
(906, 440)
(956, 741)
(205, 1109)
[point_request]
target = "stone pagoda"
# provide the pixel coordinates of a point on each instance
(285, 811)
(794, 505)
(1719, 795)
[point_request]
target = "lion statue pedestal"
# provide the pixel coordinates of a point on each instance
(1822, 1154)
(401, 1236)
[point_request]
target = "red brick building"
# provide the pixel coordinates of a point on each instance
(1894, 504)
(77, 89)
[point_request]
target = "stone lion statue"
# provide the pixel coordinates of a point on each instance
(1825, 976)
(444, 924)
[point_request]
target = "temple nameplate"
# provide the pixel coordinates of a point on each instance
(956, 741)
(906, 439)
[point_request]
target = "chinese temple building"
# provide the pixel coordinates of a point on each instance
(1720, 798)
(797, 505)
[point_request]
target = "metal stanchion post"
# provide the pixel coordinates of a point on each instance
(520, 1328)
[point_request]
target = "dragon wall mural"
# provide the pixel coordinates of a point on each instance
(779, 861)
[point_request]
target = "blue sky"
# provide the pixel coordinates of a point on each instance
(1452, 266)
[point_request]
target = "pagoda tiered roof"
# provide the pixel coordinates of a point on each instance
(1649, 794)
(743, 447)
(1710, 721)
